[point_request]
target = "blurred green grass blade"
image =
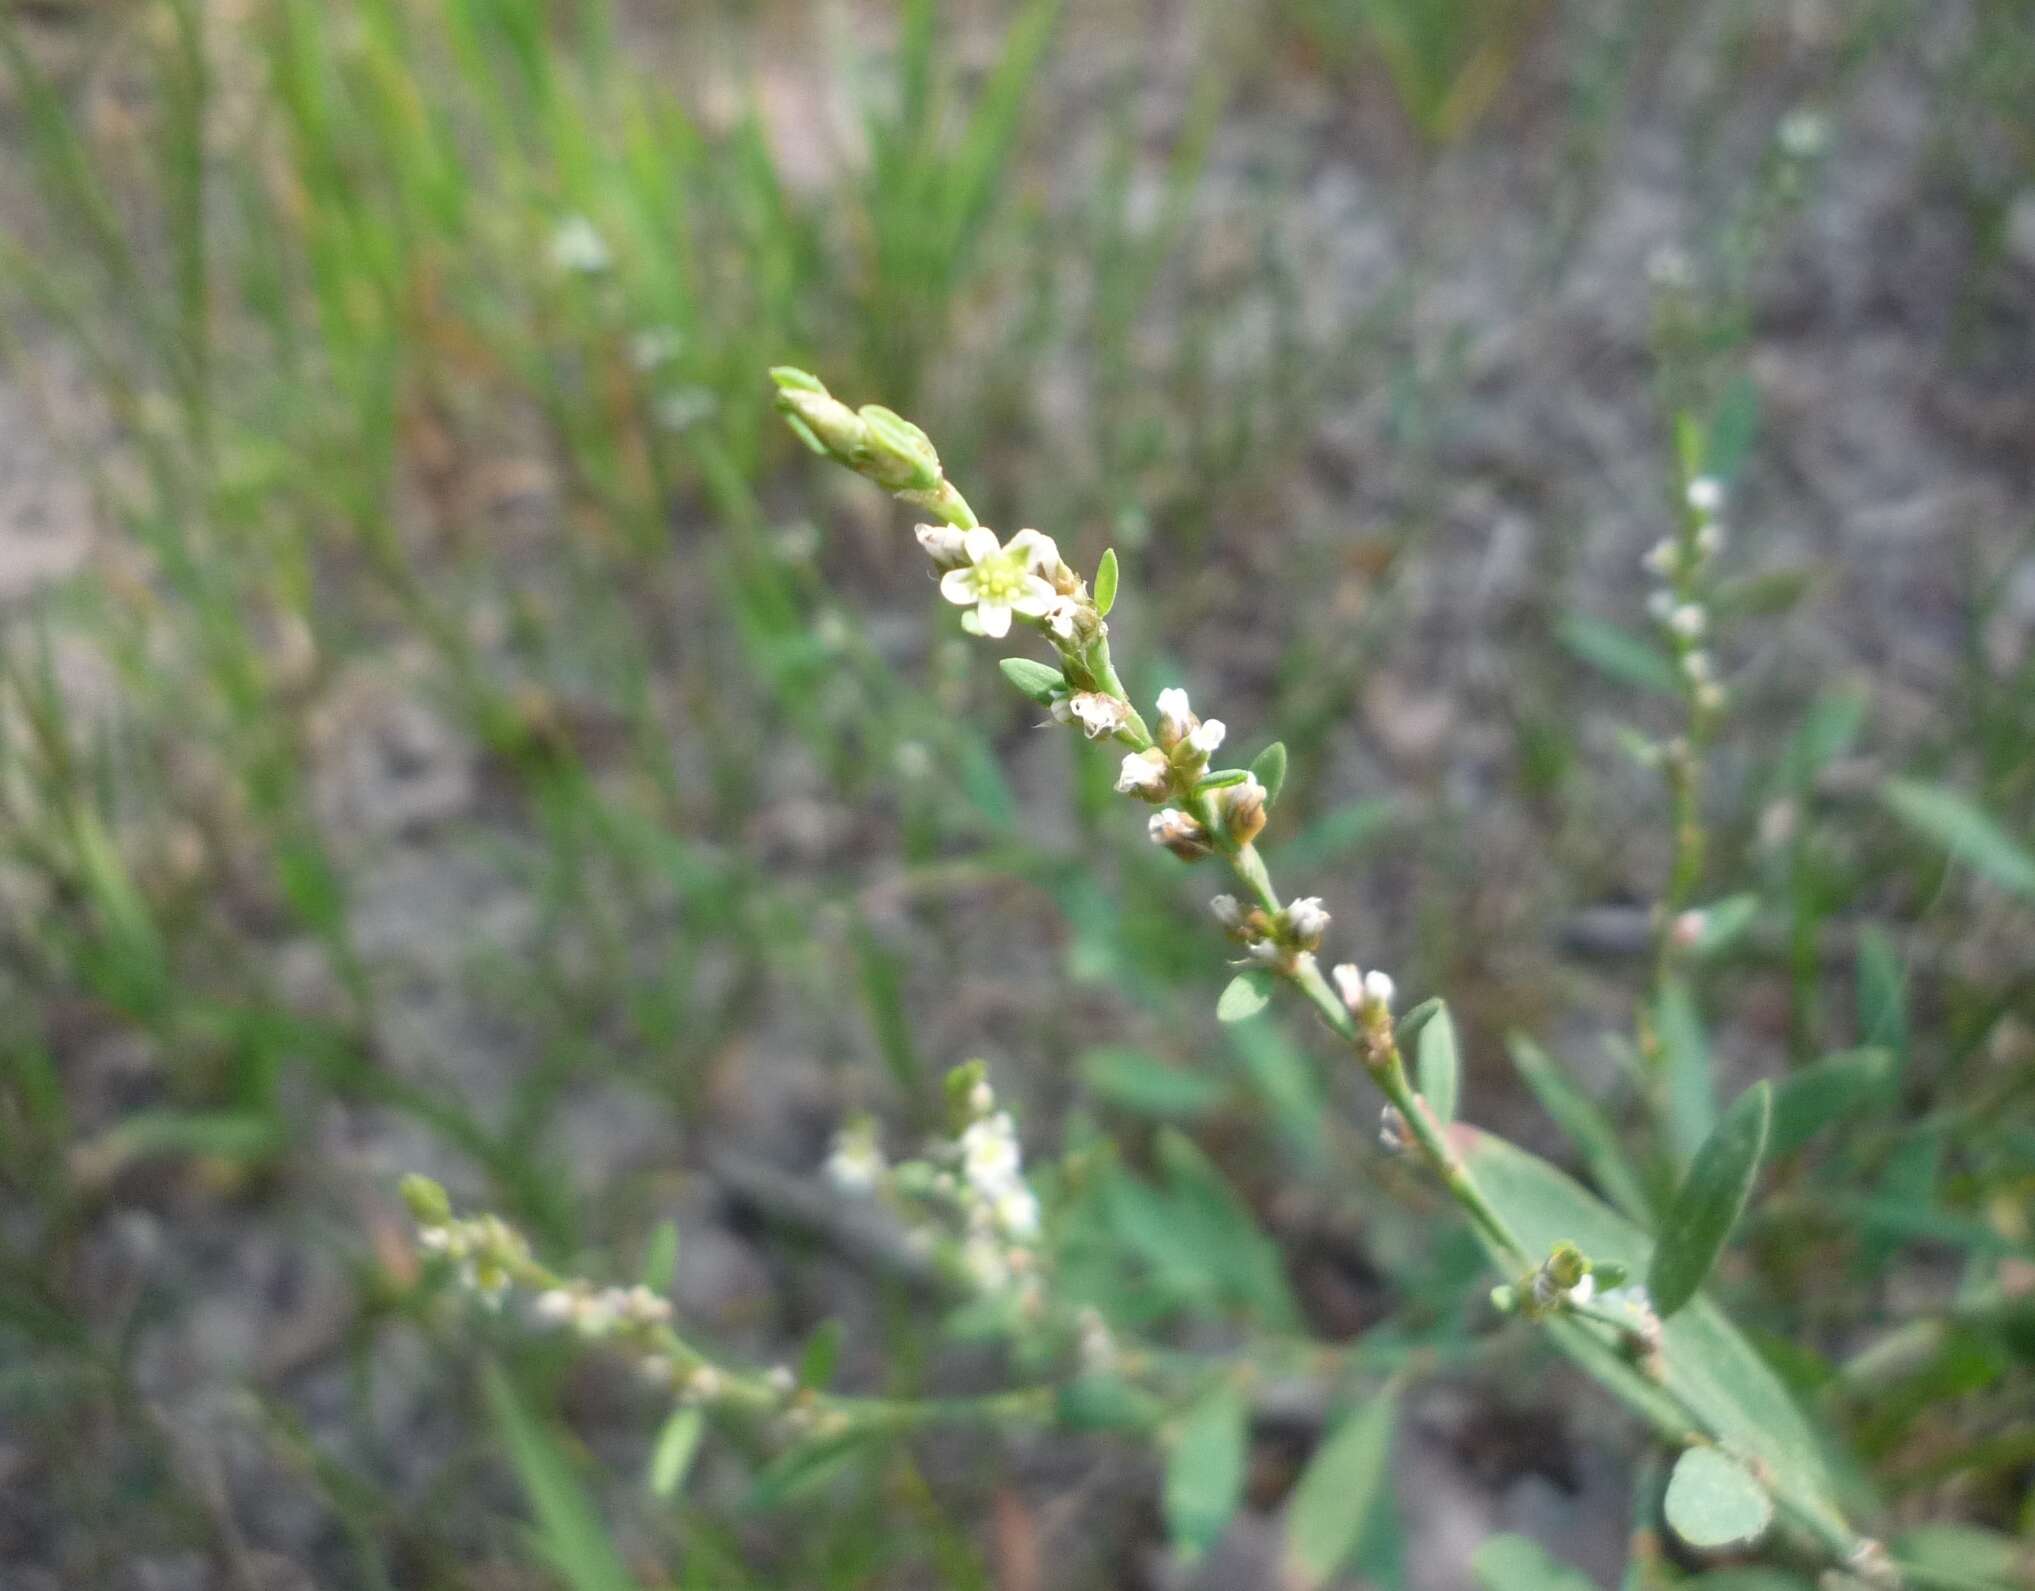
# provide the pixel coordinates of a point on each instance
(1617, 653)
(1133, 1080)
(1519, 1563)
(1882, 993)
(1825, 1092)
(569, 1528)
(677, 1444)
(1952, 821)
(1335, 1496)
(1205, 1464)
(1710, 1201)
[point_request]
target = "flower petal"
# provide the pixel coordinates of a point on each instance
(1037, 549)
(1036, 599)
(994, 619)
(980, 544)
(958, 587)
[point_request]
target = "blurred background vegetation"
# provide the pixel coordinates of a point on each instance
(446, 724)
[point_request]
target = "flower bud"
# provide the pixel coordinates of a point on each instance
(1145, 775)
(1304, 922)
(944, 544)
(1688, 621)
(1180, 833)
(1241, 810)
(428, 1203)
(1176, 719)
(1229, 912)
(823, 422)
(896, 454)
(1706, 495)
(1378, 989)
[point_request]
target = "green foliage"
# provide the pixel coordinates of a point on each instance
(1710, 1200)
(1971, 836)
(1205, 1462)
(570, 1531)
(1518, 1563)
(1712, 1501)
(1337, 1492)
(1439, 1070)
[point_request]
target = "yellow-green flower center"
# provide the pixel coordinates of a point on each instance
(999, 581)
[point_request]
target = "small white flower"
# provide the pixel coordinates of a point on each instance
(1661, 606)
(1306, 920)
(1688, 621)
(1378, 986)
(438, 1239)
(1660, 558)
(1017, 1211)
(981, 1098)
(1229, 911)
(1179, 832)
(1706, 495)
(1097, 714)
(1061, 618)
(990, 1157)
(1207, 737)
(781, 1381)
(704, 1384)
(1060, 705)
(983, 1258)
(1710, 540)
(856, 1163)
(1000, 580)
(646, 1308)
(1144, 773)
(1391, 1131)
(1688, 928)
(1803, 134)
(944, 544)
(1696, 665)
(1175, 717)
(577, 247)
(1267, 952)
(1710, 696)
(1583, 1291)
(1349, 983)
(556, 1306)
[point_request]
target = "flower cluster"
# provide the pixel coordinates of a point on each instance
(1273, 939)
(1682, 563)
(487, 1253)
(968, 1196)
(597, 1311)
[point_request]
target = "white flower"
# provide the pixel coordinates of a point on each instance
(781, 1380)
(1688, 621)
(1583, 1291)
(704, 1384)
(555, 1306)
(1349, 983)
(1017, 1211)
(1697, 666)
(946, 545)
(578, 248)
(1176, 718)
(1378, 986)
(983, 1258)
(1803, 134)
(1661, 605)
(1710, 540)
(1144, 773)
(999, 580)
(1710, 696)
(856, 1163)
(1229, 911)
(989, 1153)
(1062, 616)
(1180, 833)
(1206, 738)
(1097, 714)
(1706, 495)
(1306, 920)
(644, 1307)
(1660, 558)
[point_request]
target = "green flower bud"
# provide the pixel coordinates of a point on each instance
(896, 454)
(821, 420)
(427, 1201)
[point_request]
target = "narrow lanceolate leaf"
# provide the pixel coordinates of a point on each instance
(676, 1445)
(1966, 832)
(822, 1353)
(1439, 1067)
(1248, 994)
(569, 1528)
(1827, 1091)
(1205, 1470)
(1691, 1091)
(1270, 768)
(1037, 680)
(1711, 1198)
(1713, 1500)
(1336, 1493)
(660, 1258)
(1105, 583)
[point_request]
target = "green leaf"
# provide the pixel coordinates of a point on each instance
(1105, 582)
(660, 1258)
(1334, 1497)
(1519, 1563)
(1968, 1553)
(1829, 727)
(1587, 1127)
(569, 1528)
(1248, 994)
(1691, 1094)
(1037, 680)
(1137, 1081)
(1618, 653)
(1966, 832)
(1882, 993)
(1205, 1470)
(1270, 768)
(1824, 1091)
(1712, 1196)
(1713, 1375)
(1713, 1500)
(1439, 1068)
(676, 1445)
(1725, 923)
(822, 1354)
(1105, 1403)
